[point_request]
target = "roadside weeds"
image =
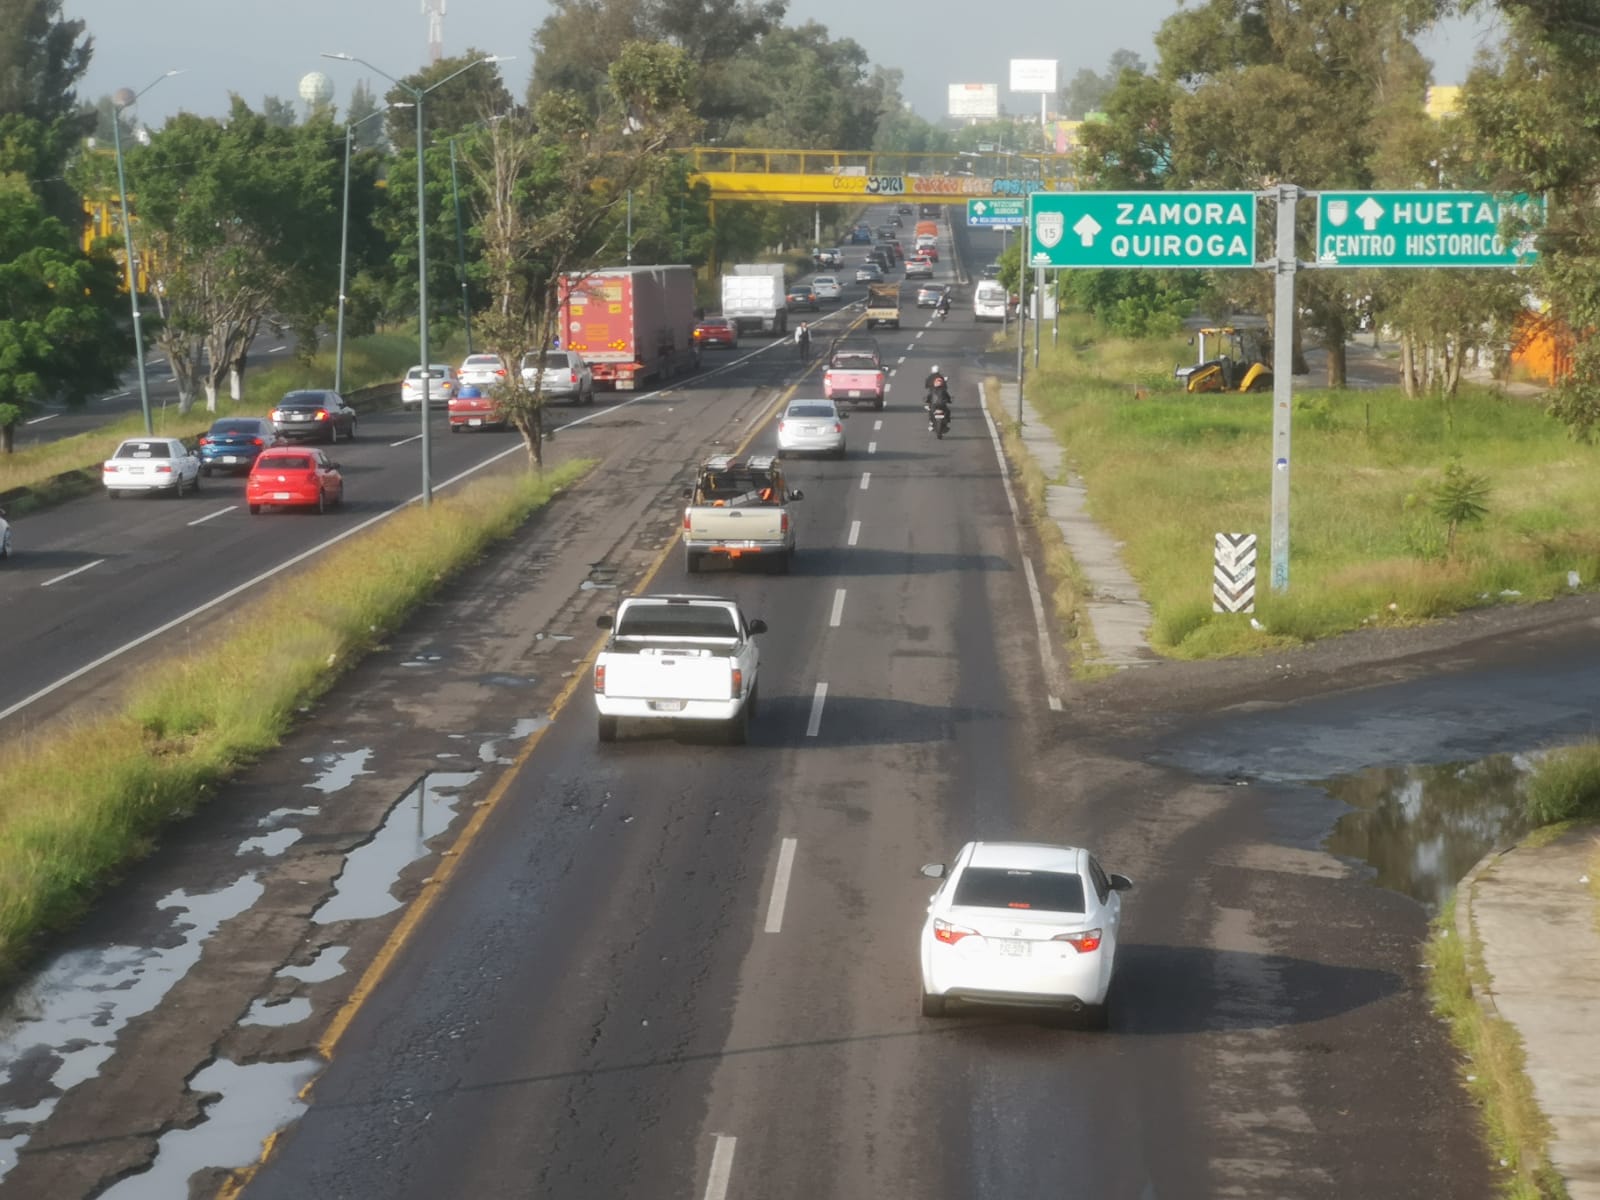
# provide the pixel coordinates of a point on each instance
(82, 803)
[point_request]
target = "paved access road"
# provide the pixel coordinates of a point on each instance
(667, 968)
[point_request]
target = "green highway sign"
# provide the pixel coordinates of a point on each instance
(1142, 229)
(1424, 229)
(992, 213)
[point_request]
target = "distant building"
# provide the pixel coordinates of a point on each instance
(1443, 100)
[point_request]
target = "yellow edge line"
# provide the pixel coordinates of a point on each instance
(419, 908)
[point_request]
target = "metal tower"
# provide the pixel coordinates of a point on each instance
(434, 11)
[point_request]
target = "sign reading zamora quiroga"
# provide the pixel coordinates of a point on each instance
(1142, 229)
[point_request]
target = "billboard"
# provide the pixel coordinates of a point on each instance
(1033, 75)
(980, 100)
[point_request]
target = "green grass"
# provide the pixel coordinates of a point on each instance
(379, 358)
(80, 803)
(1565, 786)
(1517, 1132)
(1166, 471)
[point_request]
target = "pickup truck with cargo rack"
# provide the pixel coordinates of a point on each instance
(738, 508)
(855, 372)
(883, 304)
(677, 658)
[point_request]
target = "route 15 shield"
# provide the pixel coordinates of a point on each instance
(1338, 211)
(1048, 228)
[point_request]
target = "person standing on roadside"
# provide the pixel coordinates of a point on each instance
(802, 339)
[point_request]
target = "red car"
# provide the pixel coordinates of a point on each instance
(471, 409)
(293, 477)
(716, 331)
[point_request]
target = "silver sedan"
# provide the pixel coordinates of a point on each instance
(811, 427)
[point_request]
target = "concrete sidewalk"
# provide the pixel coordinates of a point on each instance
(1535, 918)
(1117, 615)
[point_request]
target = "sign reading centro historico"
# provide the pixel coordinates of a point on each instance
(1142, 229)
(1425, 229)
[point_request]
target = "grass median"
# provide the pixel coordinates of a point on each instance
(1166, 471)
(378, 358)
(82, 802)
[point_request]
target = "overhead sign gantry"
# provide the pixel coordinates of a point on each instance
(852, 177)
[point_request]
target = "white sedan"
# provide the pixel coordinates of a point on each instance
(482, 370)
(153, 464)
(441, 383)
(826, 287)
(1020, 923)
(811, 427)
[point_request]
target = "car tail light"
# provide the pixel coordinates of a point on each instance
(600, 678)
(205, 440)
(781, 424)
(501, 373)
(111, 468)
(783, 523)
(737, 689)
(1082, 942)
(322, 414)
(257, 442)
(838, 428)
(573, 378)
(273, 415)
(949, 933)
(163, 469)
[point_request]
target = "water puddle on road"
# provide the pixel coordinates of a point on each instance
(64, 1023)
(339, 770)
(1422, 828)
(278, 1013)
(371, 869)
(489, 751)
(328, 964)
(251, 1101)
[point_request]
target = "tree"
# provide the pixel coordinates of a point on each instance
(363, 105)
(59, 335)
(42, 59)
(277, 112)
(244, 217)
(465, 100)
(1087, 90)
(574, 46)
(549, 189)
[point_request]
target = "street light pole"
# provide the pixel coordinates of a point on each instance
(461, 249)
(127, 247)
(417, 94)
(344, 247)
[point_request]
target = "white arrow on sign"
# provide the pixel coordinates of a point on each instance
(979, 207)
(1369, 212)
(1086, 228)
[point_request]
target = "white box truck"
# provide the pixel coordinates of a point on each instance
(752, 298)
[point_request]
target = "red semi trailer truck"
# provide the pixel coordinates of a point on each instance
(631, 324)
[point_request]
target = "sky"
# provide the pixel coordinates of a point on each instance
(265, 48)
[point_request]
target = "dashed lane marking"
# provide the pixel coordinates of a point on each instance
(872, 447)
(213, 516)
(855, 532)
(71, 573)
(838, 609)
(721, 1168)
(866, 478)
(780, 886)
(814, 725)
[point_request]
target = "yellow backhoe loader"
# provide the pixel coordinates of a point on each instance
(1238, 365)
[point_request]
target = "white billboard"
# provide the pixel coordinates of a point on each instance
(980, 100)
(1033, 75)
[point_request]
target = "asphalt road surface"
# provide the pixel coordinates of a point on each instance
(672, 968)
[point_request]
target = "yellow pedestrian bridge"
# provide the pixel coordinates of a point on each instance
(861, 177)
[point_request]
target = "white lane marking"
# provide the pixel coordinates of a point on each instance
(855, 532)
(721, 1168)
(780, 886)
(877, 425)
(901, 361)
(40, 420)
(887, 388)
(893, 371)
(872, 447)
(277, 350)
(120, 396)
(815, 723)
(415, 437)
(111, 655)
(838, 608)
(71, 573)
(1047, 654)
(213, 516)
(920, 332)
(866, 478)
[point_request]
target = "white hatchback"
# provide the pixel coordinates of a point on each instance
(1022, 923)
(811, 427)
(826, 287)
(151, 464)
(441, 382)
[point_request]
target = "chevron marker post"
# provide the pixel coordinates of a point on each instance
(1233, 573)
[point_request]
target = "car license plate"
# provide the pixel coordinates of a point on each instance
(230, 458)
(1011, 947)
(283, 495)
(474, 420)
(137, 470)
(667, 705)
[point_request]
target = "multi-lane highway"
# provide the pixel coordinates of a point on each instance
(673, 968)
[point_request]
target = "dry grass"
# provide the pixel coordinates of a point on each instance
(79, 805)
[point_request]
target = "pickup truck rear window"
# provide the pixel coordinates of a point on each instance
(677, 621)
(735, 486)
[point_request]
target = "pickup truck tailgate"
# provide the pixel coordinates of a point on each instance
(669, 674)
(755, 523)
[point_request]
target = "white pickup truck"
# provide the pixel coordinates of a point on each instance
(738, 507)
(678, 658)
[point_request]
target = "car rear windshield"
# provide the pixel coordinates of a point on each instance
(417, 373)
(482, 360)
(677, 621)
(247, 428)
(733, 486)
(144, 450)
(297, 462)
(855, 361)
(303, 400)
(811, 410)
(555, 360)
(1039, 891)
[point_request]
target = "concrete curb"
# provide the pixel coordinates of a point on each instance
(1467, 932)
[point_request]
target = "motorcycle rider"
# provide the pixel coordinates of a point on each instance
(936, 381)
(944, 306)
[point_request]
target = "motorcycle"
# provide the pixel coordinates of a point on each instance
(939, 415)
(944, 311)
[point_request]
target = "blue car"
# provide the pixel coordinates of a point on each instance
(232, 443)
